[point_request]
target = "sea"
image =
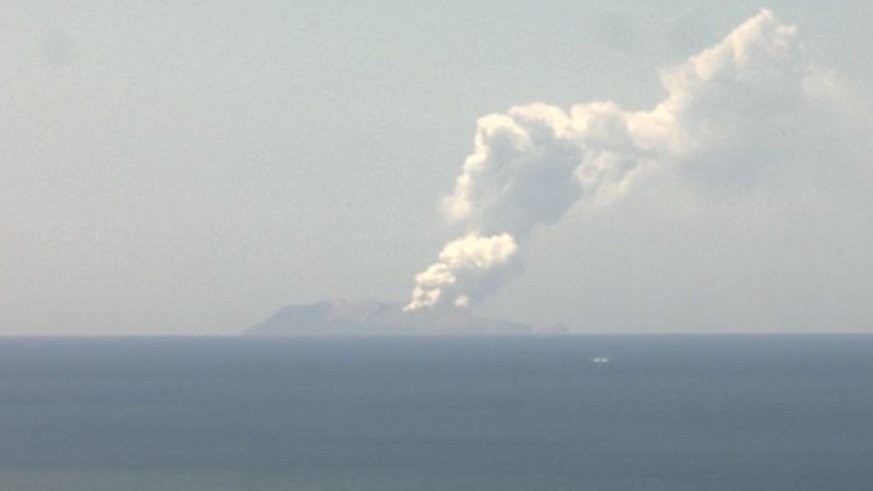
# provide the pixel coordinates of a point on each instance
(598, 413)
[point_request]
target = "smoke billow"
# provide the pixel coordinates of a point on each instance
(532, 164)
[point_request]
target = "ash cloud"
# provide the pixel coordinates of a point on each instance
(731, 114)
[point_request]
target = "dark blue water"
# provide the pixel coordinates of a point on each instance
(665, 413)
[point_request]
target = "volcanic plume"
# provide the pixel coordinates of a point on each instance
(725, 111)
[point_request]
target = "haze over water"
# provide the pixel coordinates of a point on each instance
(661, 413)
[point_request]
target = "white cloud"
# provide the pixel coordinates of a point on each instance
(468, 268)
(732, 114)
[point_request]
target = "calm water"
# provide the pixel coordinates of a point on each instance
(665, 413)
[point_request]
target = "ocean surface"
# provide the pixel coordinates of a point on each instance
(739, 413)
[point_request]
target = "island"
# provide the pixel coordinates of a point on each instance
(371, 317)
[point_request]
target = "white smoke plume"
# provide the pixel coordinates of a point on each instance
(532, 164)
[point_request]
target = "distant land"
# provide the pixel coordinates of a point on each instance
(371, 317)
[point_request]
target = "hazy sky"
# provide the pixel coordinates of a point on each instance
(189, 167)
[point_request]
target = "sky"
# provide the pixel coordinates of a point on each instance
(186, 168)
